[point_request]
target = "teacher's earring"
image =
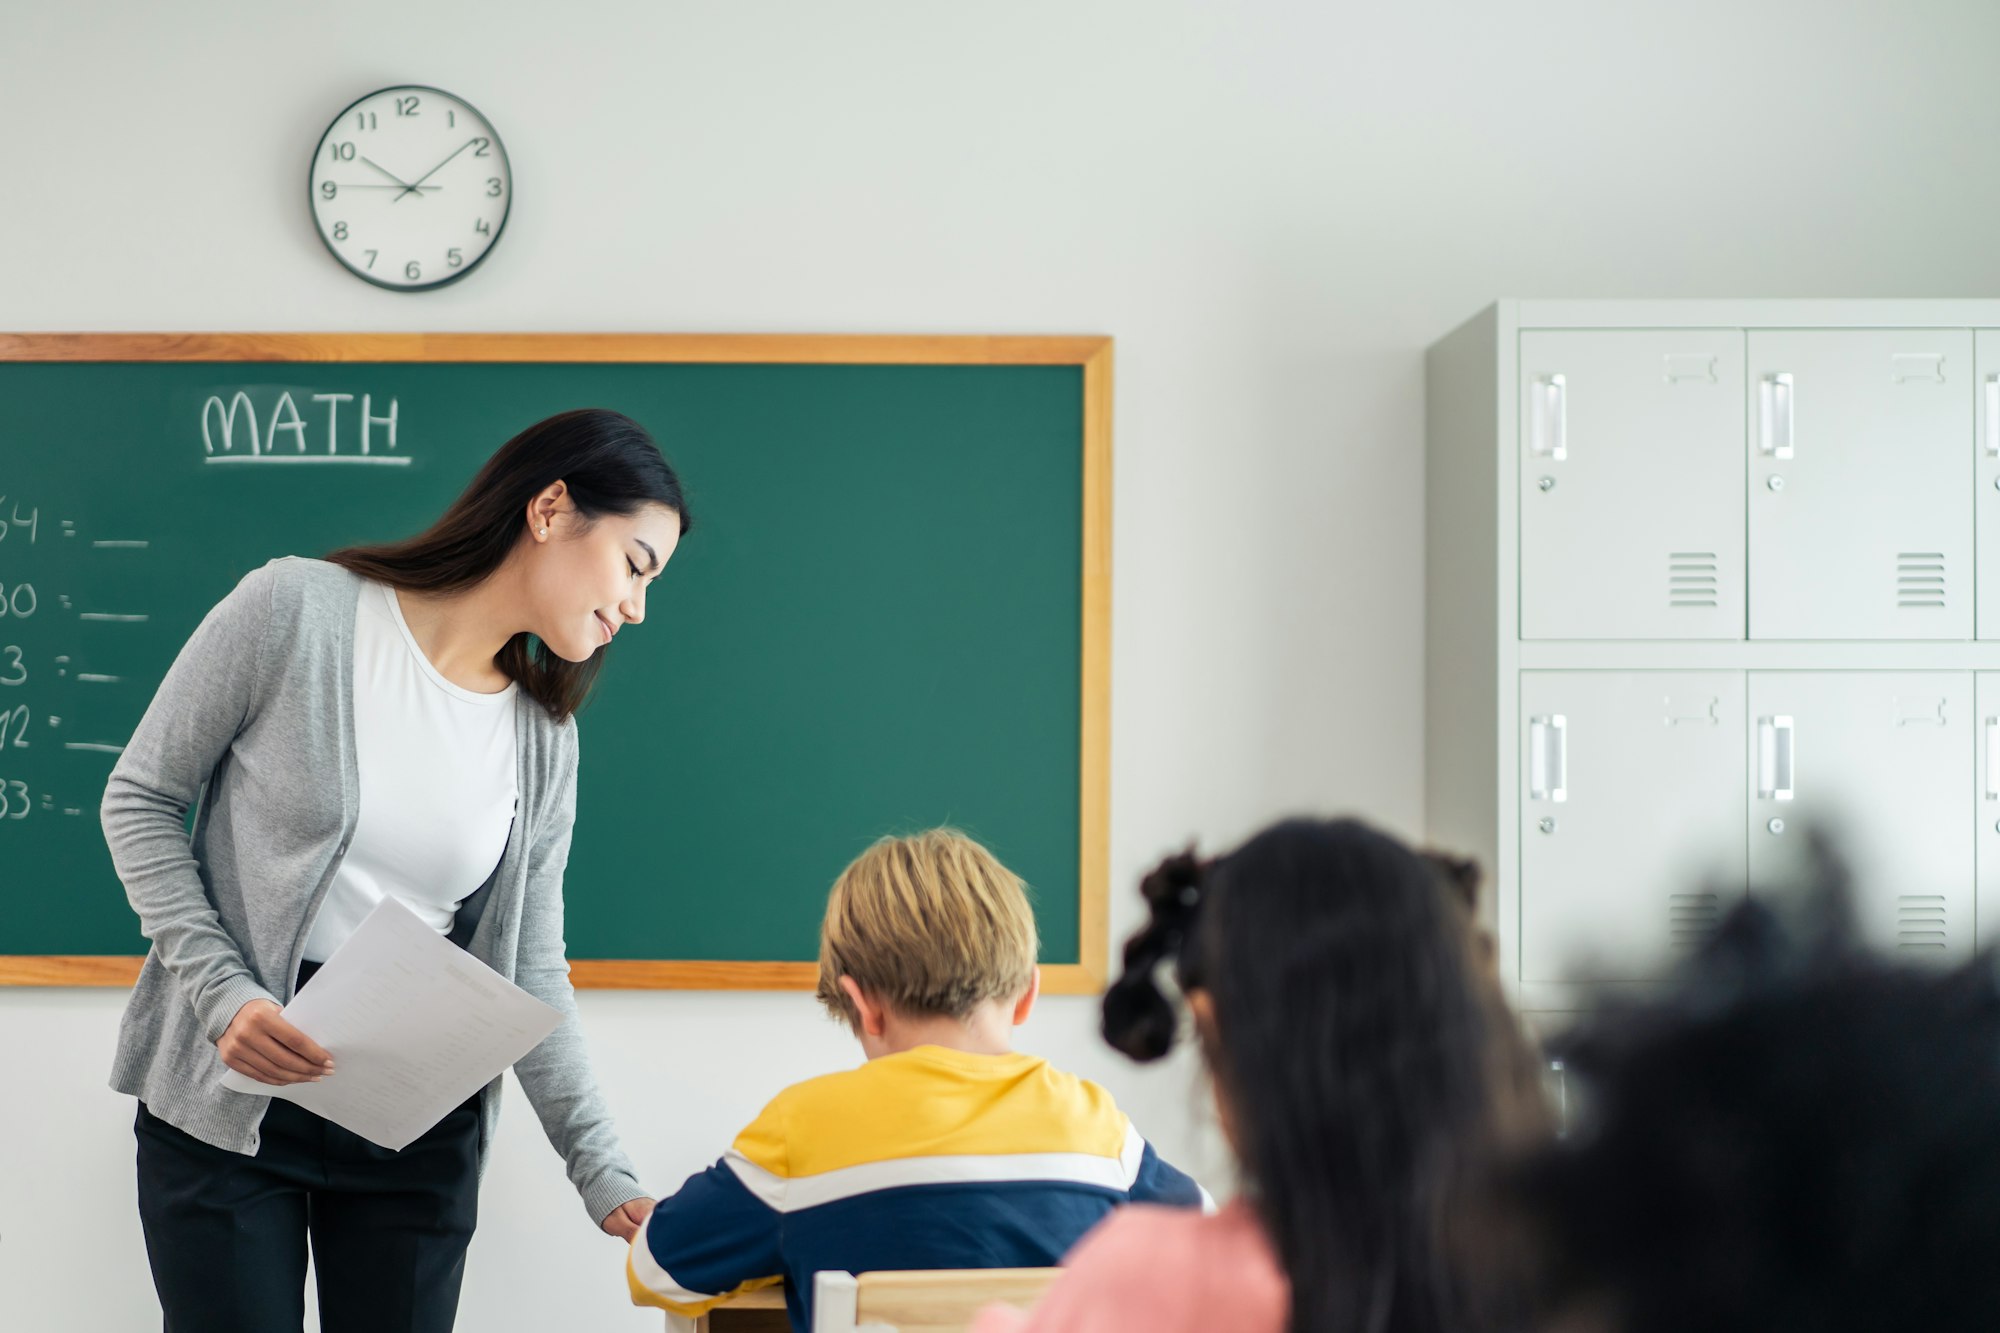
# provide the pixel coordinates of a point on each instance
(541, 532)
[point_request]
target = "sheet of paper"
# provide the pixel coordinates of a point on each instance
(415, 1025)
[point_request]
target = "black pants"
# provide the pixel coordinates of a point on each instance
(226, 1234)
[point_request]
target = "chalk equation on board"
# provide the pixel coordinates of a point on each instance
(233, 430)
(22, 726)
(69, 662)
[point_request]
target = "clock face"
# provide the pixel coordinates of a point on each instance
(410, 188)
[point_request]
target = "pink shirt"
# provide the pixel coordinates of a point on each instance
(1164, 1270)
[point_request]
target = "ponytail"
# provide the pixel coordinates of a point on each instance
(1138, 1019)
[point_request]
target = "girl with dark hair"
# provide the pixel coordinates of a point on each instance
(1366, 1072)
(393, 722)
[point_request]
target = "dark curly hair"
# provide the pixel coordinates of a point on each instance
(1799, 1135)
(1372, 1073)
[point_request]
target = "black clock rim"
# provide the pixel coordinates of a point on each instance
(404, 288)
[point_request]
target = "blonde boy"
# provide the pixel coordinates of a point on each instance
(947, 1149)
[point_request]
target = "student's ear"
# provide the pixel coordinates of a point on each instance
(872, 1015)
(1202, 1005)
(1026, 1004)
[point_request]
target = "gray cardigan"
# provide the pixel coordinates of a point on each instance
(258, 711)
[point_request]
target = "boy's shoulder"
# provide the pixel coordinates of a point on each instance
(934, 1101)
(933, 1071)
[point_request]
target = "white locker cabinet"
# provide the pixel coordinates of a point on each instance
(1632, 848)
(1986, 910)
(1986, 486)
(1864, 630)
(1859, 526)
(1880, 759)
(1632, 484)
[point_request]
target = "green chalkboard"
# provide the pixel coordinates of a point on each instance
(879, 622)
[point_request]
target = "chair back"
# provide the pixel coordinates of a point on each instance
(936, 1301)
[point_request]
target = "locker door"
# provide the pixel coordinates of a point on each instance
(1986, 911)
(1986, 488)
(1881, 760)
(1631, 485)
(1859, 527)
(1632, 797)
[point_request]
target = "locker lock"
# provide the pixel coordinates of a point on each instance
(1549, 483)
(1776, 826)
(1776, 483)
(1547, 824)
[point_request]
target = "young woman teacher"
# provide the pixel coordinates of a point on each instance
(393, 721)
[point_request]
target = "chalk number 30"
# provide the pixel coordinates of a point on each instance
(410, 188)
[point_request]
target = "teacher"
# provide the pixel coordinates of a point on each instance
(393, 721)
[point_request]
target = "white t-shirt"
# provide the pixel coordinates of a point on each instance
(437, 782)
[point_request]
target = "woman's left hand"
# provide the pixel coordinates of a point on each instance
(625, 1220)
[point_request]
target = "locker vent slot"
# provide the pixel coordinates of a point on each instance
(1691, 579)
(1920, 580)
(1692, 918)
(1920, 921)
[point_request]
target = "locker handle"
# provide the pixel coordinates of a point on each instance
(1774, 416)
(1548, 758)
(1548, 411)
(1774, 759)
(1992, 388)
(1993, 758)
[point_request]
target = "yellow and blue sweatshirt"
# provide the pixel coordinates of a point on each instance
(929, 1158)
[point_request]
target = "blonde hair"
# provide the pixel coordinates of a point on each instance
(928, 924)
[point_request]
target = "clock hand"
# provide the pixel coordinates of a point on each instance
(365, 185)
(386, 172)
(412, 187)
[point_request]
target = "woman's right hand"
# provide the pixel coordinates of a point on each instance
(260, 1044)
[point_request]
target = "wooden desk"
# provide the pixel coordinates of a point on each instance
(755, 1312)
(936, 1300)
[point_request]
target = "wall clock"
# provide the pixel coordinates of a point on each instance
(410, 188)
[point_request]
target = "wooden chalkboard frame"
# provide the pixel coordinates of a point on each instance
(1092, 354)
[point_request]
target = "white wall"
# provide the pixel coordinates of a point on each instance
(1274, 207)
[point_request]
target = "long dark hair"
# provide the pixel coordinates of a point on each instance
(610, 466)
(1372, 1074)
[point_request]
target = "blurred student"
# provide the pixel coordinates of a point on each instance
(1800, 1136)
